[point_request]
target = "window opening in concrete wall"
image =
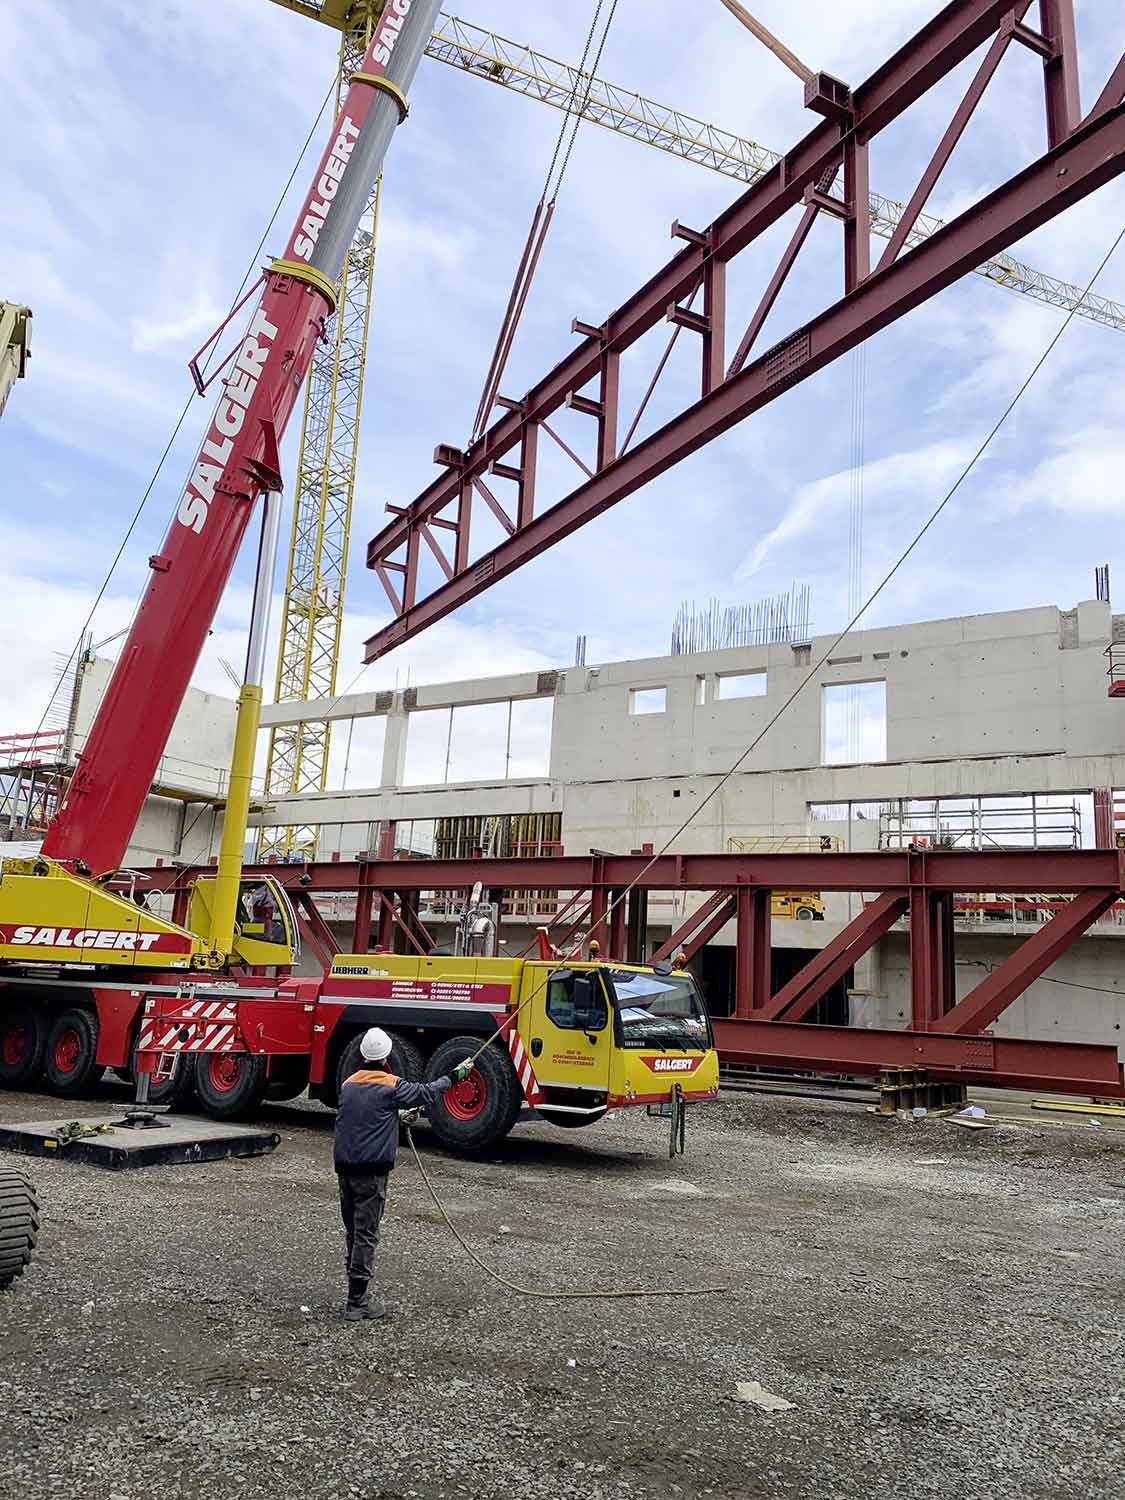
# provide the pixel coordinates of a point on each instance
(1050, 820)
(1041, 820)
(742, 685)
(479, 742)
(355, 755)
(476, 744)
(853, 722)
(844, 812)
(528, 751)
(427, 746)
(700, 691)
(652, 700)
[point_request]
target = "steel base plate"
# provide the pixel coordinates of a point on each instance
(184, 1140)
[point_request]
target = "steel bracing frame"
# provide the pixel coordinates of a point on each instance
(1083, 154)
(313, 609)
(607, 895)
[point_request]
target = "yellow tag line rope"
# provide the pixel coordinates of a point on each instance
(554, 1294)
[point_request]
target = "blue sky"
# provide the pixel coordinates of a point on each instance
(147, 146)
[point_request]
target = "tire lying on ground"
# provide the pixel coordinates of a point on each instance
(19, 1224)
(477, 1113)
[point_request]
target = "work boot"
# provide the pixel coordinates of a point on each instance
(356, 1305)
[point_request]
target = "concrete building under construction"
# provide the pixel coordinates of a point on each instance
(988, 732)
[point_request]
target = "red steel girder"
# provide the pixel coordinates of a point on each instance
(1081, 164)
(997, 1062)
(1030, 870)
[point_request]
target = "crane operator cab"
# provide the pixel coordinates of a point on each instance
(266, 925)
(611, 1035)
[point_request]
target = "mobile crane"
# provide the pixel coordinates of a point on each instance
(89, 979)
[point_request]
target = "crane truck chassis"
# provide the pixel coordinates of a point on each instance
(568, 1040)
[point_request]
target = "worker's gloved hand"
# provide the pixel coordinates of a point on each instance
(463, 1069)
(408, 1116)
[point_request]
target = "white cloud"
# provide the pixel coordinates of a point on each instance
(896, 480)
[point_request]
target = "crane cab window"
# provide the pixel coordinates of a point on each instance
(576, 1002)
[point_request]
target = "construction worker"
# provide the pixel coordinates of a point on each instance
(372, 1102)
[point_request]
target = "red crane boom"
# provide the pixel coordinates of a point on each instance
(237, 460)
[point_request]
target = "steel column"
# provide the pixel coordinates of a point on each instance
(617, 925)
(1060, 72)
(636, 940)
(932, 989)
(753, 951)
(857, 226)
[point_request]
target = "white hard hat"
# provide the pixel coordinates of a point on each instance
(376, 1044)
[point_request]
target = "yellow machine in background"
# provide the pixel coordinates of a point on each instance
(802, 906)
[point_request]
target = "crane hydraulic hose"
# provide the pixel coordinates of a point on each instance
(237, 460)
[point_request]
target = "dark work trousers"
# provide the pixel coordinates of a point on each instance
(363, 1197)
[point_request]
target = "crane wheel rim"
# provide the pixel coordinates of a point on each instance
(68, 1050)
(467, 1100)
(14, 1046)
(224, 1072)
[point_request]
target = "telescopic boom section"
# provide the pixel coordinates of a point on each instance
(237, 460)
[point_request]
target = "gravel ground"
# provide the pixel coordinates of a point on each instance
(943, 1309)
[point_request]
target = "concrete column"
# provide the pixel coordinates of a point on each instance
(394, 748)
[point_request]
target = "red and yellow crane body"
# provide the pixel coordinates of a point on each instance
(90, 979)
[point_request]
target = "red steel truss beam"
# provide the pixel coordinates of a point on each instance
(1081, 163)
(1027, 870)
(997, 1062)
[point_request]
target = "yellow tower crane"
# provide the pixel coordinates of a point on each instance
(314, 594)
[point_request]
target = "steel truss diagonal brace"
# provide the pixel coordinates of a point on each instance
(811, 983)
(1092, 156)
(1032, 958)
(705, 921)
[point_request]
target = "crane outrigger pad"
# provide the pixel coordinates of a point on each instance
(105, 1141)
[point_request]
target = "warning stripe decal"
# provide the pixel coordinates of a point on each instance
(524, 1071)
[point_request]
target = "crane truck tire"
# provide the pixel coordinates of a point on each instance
(406, 1060)
(70, 1056)
(477, 1113)
(230, 1085)
(23, 1034)
(19, 1224)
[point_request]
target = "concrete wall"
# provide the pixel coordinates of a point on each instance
(989, 704)
(177, 821)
